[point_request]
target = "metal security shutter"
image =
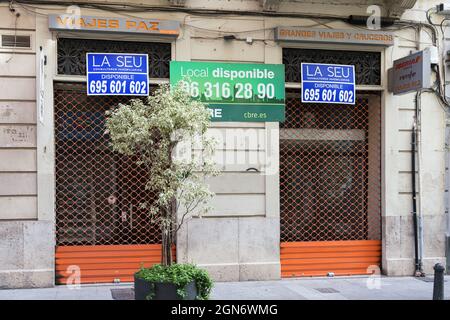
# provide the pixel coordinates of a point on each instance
(100, 229)
(330, 187)
(104, 263)
(99, 225)
(330, 173)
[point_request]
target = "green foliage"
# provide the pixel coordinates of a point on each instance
(152, 131)
(161, 133)
(180, 275)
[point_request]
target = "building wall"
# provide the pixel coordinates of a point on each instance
(26, 244)
(399, 117)
(239, 239)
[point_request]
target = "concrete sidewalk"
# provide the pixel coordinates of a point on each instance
(339, 288)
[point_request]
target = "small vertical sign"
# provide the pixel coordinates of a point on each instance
(41, 87)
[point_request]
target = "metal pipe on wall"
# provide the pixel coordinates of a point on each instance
(414, 201)
(415, 166)
(447, 190)
(418, 164)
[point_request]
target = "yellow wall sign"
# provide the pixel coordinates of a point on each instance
(121, 25)
(298, 34)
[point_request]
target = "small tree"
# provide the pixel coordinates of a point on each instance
(155, 132)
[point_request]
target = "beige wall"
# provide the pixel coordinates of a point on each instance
(26, 242)
(239, 238)
(17, 122)
(399, 118)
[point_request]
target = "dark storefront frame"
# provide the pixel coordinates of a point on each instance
(330, 173)
(100, 226)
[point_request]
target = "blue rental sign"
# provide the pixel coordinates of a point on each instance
(117, 74)
(328, 83)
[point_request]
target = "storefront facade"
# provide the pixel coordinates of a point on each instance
(327, 191)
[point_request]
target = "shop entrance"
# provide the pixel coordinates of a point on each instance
(330, 187)
(99, 226)
(102, 234)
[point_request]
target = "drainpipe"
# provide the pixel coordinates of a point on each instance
(417, 221)
(447, 190)
(417, 262)
(417, 215)
(414, 199)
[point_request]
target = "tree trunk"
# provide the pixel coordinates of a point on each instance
(167, 225)
(167, 233)
(166, 245)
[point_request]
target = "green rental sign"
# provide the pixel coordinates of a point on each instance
(234, 91)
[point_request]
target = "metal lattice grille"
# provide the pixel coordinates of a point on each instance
(330, 171)
(98, 191)
(367, 64)
(72, 54)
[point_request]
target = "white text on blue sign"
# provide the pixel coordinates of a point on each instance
(117, 74)
(328, 83)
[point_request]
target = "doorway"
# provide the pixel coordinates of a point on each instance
(330, 187)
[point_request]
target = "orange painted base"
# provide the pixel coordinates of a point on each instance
(318, 258)
(104, 264)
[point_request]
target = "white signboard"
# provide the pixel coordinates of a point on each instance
(41, 89)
